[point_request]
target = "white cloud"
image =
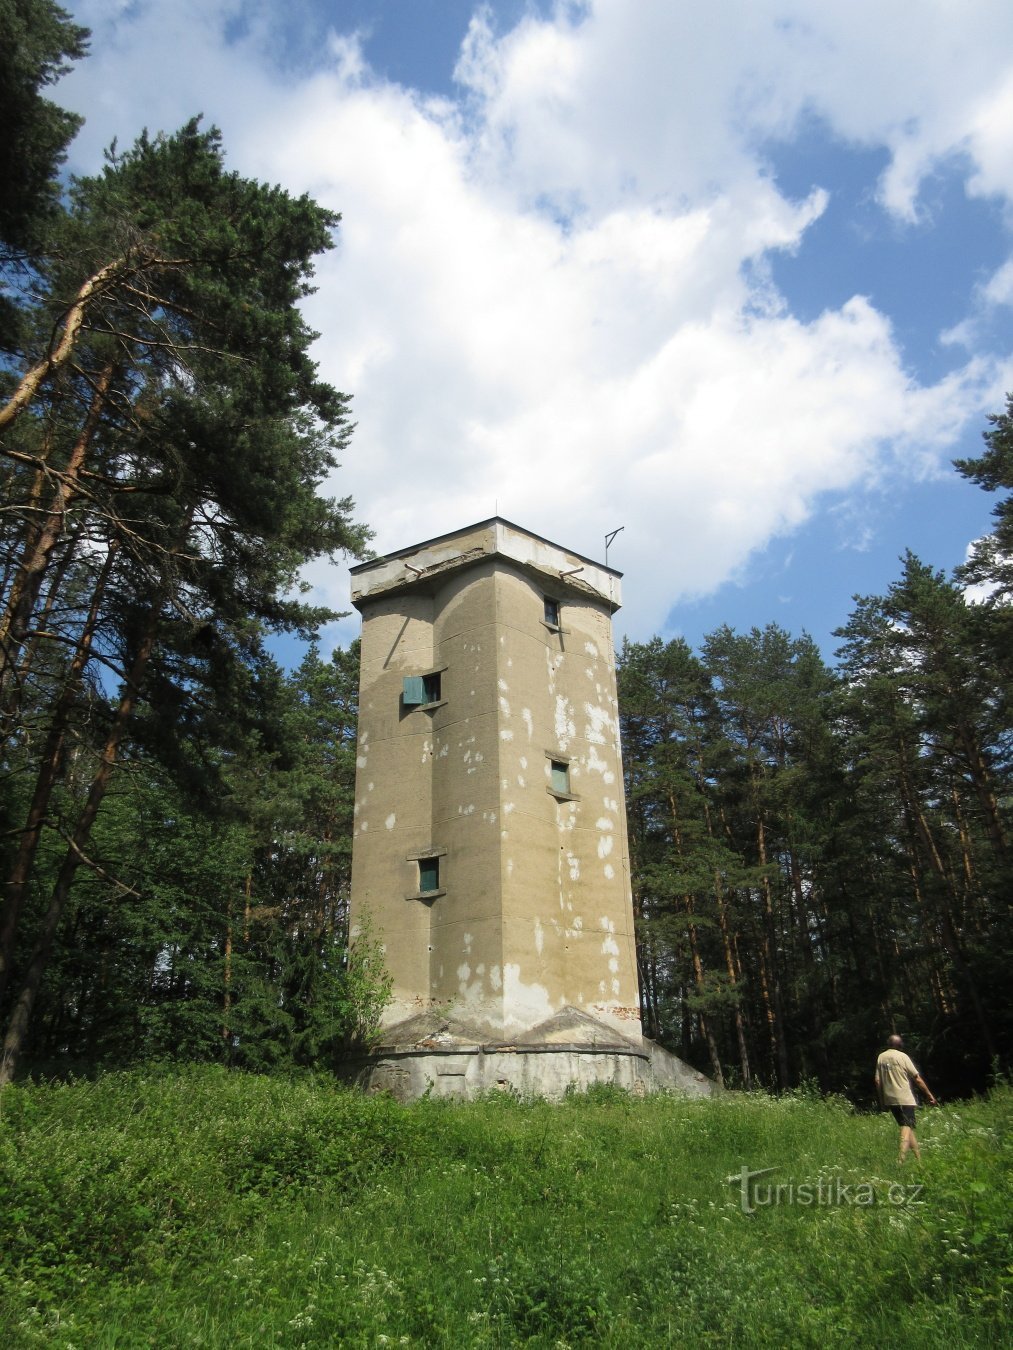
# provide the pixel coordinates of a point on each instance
(550, 298)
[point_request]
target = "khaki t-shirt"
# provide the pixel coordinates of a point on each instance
(896, 1074)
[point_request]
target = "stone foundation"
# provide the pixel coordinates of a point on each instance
(431, 1056)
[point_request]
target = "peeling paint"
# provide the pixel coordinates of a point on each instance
(563, 723)
(528, 1004)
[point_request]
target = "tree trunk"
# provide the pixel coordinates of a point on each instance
(21, 1014)
(21, 871)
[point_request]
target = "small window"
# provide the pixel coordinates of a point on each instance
(551, 611)
(559, 776)
(429, 875)
(421, 689)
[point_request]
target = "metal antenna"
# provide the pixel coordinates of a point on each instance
(608, 540)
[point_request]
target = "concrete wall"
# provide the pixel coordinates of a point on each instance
(536, 912)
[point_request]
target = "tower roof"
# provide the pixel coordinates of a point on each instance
(562, 571)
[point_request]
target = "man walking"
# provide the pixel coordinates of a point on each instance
(896, 1077)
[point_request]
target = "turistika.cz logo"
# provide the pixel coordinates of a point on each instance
(754, 1195)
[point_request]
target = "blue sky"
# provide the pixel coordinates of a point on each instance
(737, 278)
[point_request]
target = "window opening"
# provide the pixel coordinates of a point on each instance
(429, 875)
(559, 774)
(422, 689)
(551, 611)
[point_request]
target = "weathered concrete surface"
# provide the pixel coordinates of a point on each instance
(533, 912)
(571, 1051)
(517, 969)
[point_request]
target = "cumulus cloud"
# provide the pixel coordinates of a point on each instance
(550, 296)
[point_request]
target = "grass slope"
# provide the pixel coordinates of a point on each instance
(202, 1208)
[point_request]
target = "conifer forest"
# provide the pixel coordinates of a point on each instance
(820, 854)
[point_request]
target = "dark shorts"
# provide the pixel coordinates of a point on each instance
(904, 1115)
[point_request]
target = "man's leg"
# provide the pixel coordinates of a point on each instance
(909, 1140)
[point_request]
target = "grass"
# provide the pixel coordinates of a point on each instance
(202, 1208)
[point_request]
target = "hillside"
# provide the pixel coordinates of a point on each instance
(208, 1208)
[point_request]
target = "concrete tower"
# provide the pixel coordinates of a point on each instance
(490, 847)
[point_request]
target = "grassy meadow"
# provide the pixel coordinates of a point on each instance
(205, 1208)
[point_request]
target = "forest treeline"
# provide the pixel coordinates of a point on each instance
(819, 854)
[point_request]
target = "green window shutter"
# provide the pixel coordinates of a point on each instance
(414, 690)
(429, 875)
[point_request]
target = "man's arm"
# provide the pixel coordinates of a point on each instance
(923, 1088)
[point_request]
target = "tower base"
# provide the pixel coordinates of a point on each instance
(436, 1055)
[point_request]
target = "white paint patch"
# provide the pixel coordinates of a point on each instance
(466, 810)
(510, 865)
(609, 871)
(603, 823)
(463, 974)
(527, 1004)
(597, 765)
(504, 707)
(604, 846)
(578, 923)
(539, 936)
(494, 977)
(615, 988)
(574, 865)
(613, 965)
(506, 734)
(507, 808)
(523, 761)
(563, 723)
(360, 761)
(391, 821)
(600, 726)
(591, 649)
(503, 685)
(529, 721)
(520, 780)
(467, 940)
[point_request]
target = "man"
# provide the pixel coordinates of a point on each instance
(896, 1076)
